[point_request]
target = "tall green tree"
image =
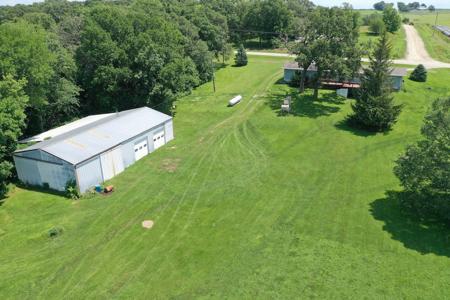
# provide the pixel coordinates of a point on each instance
(24, 54)
(13, 101)
(131, 57)
(374, 108)
(424, 169)
(331, 45)
(379, 5)
(425, 166)
(391, 18)
(268, 19)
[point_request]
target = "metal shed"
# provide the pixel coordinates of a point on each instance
(95, 152)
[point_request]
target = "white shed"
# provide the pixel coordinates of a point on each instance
(94, 152)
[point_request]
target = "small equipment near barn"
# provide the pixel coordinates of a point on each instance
(93, 151)
(286, 106)
(235, 100)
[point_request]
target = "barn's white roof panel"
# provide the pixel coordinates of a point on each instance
(64, 128)
(84, 142)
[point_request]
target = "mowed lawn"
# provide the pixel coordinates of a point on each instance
(397, 40)
(247, 203)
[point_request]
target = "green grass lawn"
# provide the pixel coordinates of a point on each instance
(247, 203)
(437, 44)
(398, 41)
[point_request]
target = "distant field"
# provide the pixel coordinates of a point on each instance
(438, 46)
(247, 204)
(398, 41)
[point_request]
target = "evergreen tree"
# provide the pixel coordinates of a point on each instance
(374, 108)
(241, 57)
(419, 74)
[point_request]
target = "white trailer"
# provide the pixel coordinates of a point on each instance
(235, 100)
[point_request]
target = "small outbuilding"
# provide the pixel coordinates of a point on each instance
(93, 150)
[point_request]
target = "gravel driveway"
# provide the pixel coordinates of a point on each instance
(416, 52)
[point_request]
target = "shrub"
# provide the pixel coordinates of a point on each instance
(405, 21)
(55, 232)
(376, 25)
(241, 57)
(72, 190)
(419, 74)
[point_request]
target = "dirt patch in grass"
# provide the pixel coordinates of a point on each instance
(170, 164)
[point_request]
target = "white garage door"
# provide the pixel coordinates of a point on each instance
(140, 150)
(112, 163)
(158, 139)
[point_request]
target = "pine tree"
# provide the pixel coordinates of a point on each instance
(241, 57)
(374, 108)
(419, 74)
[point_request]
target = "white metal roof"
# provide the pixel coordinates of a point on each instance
(82, 143)
(63, 129)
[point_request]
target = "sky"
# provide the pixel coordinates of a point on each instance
(356, 3)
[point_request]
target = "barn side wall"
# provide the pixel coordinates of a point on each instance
(89, 174)
(33, 170)
(168, 127)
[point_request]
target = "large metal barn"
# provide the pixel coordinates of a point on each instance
(91, 152)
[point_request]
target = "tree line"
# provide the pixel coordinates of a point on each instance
(62, 60)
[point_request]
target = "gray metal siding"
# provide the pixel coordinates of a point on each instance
(57, 176)
(35, 172)
(168, 127)
(128, 154)
(27, 170)
(288, 75)
(36, 154)
(397, 82)
(89, 174)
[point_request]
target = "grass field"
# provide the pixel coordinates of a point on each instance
(398, 41)
(438, 45)
(247, 203)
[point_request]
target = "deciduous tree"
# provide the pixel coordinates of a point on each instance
(391, 18)
(13, 101)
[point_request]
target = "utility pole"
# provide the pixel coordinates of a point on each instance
(213, 76)
(435, 21)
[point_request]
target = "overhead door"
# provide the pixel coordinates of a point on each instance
(158, 139)
(112, 163)
(140, 150)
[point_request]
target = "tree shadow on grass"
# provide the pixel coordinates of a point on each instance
(304, 105)
(345, 126)
(40, 189)
(424, 235)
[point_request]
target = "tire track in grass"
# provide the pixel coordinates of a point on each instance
(134, 221)
(236, 115)
(192, 178)
(130, 223)
(167, 227)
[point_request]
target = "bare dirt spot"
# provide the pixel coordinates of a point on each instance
(170, 164)
(147, 224)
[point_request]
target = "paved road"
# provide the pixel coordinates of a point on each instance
(416, 52)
